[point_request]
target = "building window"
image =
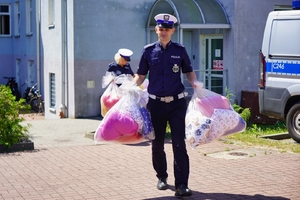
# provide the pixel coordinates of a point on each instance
(4, 19)
(17, 19)
(51, 14)
(31, 76)
(282, 7)
(18, 74)
(52, 90)
(29, 17)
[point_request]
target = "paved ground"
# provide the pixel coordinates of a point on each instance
(67, 164)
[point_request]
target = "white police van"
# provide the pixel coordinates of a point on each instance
(279, 87)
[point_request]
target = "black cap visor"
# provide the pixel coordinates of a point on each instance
(165, 25)
(127, 58)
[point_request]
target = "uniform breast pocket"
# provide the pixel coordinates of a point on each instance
(155, 66)
(154, 61)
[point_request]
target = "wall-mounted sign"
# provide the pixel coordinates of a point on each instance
(218, 53)
(218, 64)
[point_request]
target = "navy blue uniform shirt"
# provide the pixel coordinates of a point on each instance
(113, 67)
(165, 67)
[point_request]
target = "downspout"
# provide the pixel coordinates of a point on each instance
(63, 108)
(37, 5)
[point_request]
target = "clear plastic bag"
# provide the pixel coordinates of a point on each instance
(147, 130)
(210, 116)
(113, 92)
(109, 98)
(125, 122)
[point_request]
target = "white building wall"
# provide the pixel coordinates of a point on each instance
(51, 60)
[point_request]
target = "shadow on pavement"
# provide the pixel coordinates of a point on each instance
(218, 196)
(147, 143)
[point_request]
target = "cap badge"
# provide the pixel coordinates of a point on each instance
(175, 68)
(166, 17)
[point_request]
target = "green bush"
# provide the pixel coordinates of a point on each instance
(245, 113)
(11, 132)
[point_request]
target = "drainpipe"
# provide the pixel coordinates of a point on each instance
(63, 107)
(37, 5)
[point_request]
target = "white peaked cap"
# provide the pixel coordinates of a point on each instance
(125, 53)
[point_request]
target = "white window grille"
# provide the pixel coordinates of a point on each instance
(52, 90)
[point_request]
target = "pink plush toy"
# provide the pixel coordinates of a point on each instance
(115, 125)
(130, 139)
(110, 96)
(107, 102)
(207, 104)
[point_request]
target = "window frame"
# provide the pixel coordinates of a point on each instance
(52, 92)
(9, 20)
(17, 19)
(29, 18)
(51, 14)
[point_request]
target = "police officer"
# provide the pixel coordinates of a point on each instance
(121, 64)
(165, 60)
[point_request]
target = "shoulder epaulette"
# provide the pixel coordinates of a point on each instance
(111, 64)
(178, 44)
(149, 45)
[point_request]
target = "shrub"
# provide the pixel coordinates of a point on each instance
(11, 132)
(245, 113)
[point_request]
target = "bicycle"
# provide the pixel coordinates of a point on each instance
(11, 82)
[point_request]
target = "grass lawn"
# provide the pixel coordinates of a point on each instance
(251, 137)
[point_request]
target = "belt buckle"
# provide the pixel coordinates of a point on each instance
(167, 99)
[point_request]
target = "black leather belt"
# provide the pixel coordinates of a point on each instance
(168, 99)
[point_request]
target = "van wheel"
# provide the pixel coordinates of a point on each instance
(293, 122)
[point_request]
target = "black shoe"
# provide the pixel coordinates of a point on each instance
(162, 184)
(183, 190)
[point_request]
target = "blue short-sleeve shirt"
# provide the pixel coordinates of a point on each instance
(118, 70)
(165, 67)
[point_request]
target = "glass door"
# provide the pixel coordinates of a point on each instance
(212, 63)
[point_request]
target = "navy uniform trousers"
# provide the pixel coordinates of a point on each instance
(174, 112)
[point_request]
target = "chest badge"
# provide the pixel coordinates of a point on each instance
(175, 68)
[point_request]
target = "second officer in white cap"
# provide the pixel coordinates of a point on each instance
(121, 64)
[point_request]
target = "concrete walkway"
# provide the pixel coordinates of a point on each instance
(67, 164)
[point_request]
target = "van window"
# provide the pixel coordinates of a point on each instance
(281, 34)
